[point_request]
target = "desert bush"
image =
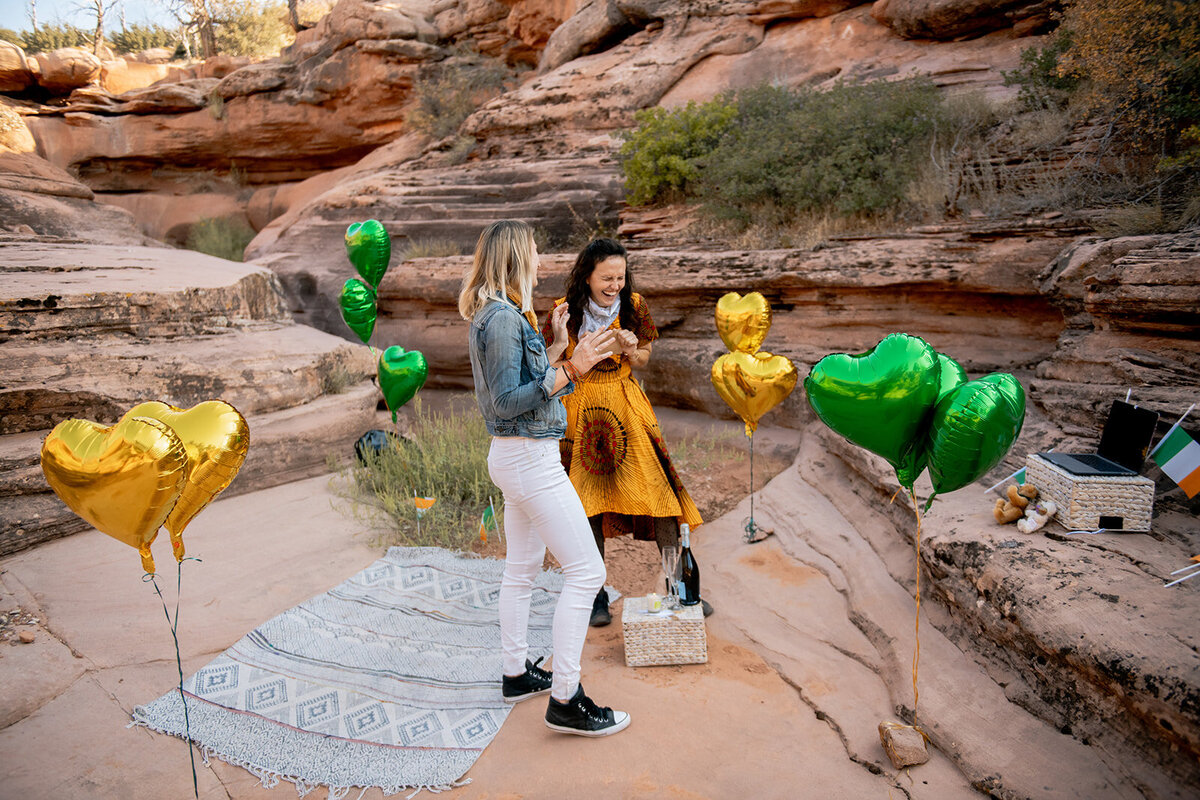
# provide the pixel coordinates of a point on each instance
(335, 377)
(1133, 66)
(220, 236)
(1138, 62)
(768, 154)
(1040, 83)
(138, 37)
(430, 248)
(661, 156)
(448, 91)
(215, 105)
(9, 35)
(445, 458)
(852, 149)
(53, 36)
(1131, 220)
(251, 29)
(311, 11)
(1133, 63)
(460, 150)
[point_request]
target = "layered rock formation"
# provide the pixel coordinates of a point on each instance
(88, 330)
(344, 88)
(1054, 667)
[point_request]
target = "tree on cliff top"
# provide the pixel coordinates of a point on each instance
(99, 8)
(252, 28)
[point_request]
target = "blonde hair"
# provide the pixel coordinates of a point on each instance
(503, 263)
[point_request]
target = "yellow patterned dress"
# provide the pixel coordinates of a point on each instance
(614, 451)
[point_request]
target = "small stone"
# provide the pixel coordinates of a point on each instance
(27, 637)
(904, 745)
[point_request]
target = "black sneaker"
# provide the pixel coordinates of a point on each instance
(583, 717)
(531, 683)
(600, 613)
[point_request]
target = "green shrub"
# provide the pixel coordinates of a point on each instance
(138, 37)
(1134, 63)
(53, 36)
(251, 29)
(220, 236)
(335, 378)
(1041, 85)
(460, 150)
(449, 91)
(9, 35)
(446, 459)
(430, 248)
(853, 149)
(661, 155)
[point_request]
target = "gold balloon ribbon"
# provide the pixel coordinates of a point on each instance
(916, 634)
(917, 625)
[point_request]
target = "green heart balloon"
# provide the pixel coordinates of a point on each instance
(881, 399)
(911, 465)
(401, 374)
(951, 375)
(370, 249)
(357, 302)
(973, 428)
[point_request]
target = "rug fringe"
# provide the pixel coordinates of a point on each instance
(269, 779)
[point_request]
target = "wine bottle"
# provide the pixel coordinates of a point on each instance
(689, 570)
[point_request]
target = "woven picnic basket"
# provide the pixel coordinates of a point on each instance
(1090, 502)
(653, 640)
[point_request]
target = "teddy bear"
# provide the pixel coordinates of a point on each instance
(1036, 515)
(1014, 507)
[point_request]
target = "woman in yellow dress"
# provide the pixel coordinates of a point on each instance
(614, 451)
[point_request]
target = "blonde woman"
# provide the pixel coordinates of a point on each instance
(519, 396)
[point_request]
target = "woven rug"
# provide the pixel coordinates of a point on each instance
(391, 679)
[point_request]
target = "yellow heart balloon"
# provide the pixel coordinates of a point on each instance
(123, 480)
(216, 438)
(753, 383)
(743, 322)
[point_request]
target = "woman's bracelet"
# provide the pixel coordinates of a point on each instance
(572, 373)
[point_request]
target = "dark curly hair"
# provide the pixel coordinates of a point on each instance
(578, 291)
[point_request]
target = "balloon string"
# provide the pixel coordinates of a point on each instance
(917, 624)
(752, 480)
(174, 624)
(751, 527)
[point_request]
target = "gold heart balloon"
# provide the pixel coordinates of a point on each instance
(753, 383)
(743, 322)
(123, 480)
(216, 438)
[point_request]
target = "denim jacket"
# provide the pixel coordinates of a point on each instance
(513, 380)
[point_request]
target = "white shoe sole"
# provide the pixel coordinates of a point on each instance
(617, 727)
(519, 698)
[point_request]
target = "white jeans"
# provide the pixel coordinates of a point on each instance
(542, 509)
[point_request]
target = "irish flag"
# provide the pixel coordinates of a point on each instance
(423, 504)
(1178, 455)
(487, 522)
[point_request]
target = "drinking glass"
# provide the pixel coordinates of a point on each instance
(670, 567)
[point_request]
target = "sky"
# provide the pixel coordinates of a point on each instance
(14, 14)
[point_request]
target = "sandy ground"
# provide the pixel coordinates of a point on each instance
(728, 728)
(809, 649)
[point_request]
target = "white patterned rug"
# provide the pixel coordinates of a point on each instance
(391, 679)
